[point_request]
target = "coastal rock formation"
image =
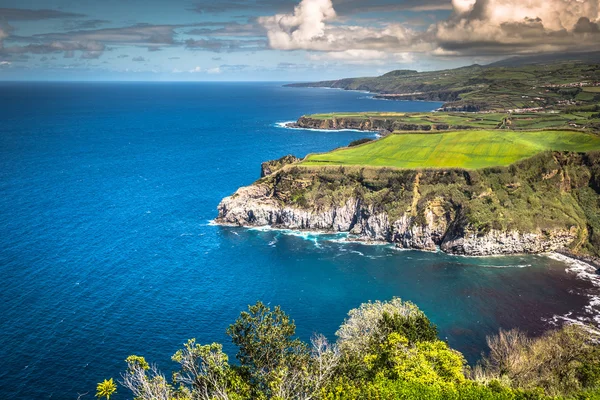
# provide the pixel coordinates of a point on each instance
(381, 125)
(270, 167)
(538, 205)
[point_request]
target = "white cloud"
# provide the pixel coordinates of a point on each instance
(196, 70)
(484, 27)
(301, 29)
(216, 70)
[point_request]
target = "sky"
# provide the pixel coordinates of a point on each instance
(281, 40)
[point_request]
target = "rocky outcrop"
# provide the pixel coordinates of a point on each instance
(381, 125)
(474, 213)
(253, 206)
(270, 167)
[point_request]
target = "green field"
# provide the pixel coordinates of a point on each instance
(462, 149)
(592, 89)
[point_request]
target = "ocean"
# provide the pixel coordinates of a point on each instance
(107, 193)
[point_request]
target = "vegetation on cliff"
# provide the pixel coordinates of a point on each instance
(553, 196)
(384, 350)
(387, 122)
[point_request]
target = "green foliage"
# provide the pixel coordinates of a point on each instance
(137, 362)
(360, 141)
(267, 349)
(106, 388)
(387, 350)
(561, 362)
(416, 329)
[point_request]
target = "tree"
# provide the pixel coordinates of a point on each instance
(371, 323)
(561, 361)
(106, 388)
(205, 369)
(145, 381)
(274, 361)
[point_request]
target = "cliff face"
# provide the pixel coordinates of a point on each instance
(539, 205)
(372, 124)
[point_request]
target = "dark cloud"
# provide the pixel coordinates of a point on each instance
(22, 14)
(584, 25)
(91, 47)
(122, 56)
(90, 55)
(74, 25)
(138, 59)
(225, 45)
(174, 58)
(352, 7)
(141, 34)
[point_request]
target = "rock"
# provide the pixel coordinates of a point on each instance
(416, 209)
(270, 167)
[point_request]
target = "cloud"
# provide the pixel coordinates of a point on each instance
(22, 14)
(229, 29)
(215, 7)
(304, 29)
(140, 34)
(516, 26)
(85, 24)
(89, 49)
(215, 70)
(138, 59)
(314, 26)
(225, 45)
(343, 7)
(475, 27)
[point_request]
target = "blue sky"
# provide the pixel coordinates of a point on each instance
(278, 39)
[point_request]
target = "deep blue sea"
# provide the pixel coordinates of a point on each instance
(107, 191)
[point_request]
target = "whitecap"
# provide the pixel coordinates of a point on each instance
(285, 125)
(586, 272)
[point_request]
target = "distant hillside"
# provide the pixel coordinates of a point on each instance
(586, 58)
(478, 88)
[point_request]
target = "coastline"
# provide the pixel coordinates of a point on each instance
(294, 125)
(589, 316)
(587, 267)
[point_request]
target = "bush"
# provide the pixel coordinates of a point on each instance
(360, 141)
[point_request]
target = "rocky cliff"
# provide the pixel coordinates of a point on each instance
(545, 203)
(382, 125)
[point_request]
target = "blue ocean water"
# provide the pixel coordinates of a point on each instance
(106, 248)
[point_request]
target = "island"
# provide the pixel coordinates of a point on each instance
(518, 176)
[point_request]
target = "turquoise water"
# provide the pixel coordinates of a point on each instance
(106, 248)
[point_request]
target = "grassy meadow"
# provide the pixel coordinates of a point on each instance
(472, 149)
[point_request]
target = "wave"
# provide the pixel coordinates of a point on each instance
(586, 272)
(284, 125)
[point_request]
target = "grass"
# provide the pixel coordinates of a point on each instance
(592, 89)
(471, 149)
